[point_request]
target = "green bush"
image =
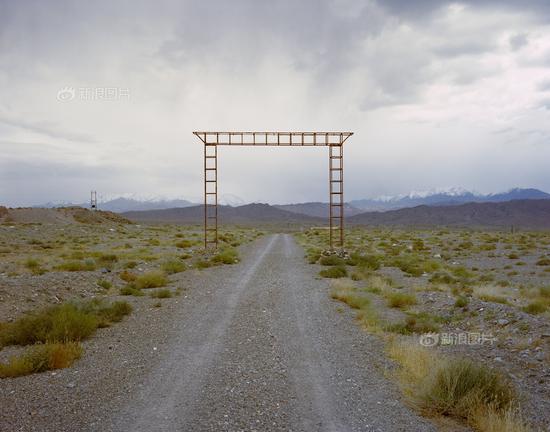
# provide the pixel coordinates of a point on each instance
(173, 266)
(400, 300)
(226, 256)
(331, 260)
(63, 323)
(163, 293)
(131, 290)
(154, 279)
(460, 384)
(536, 307)
(461, 302)
(41, 358)
(73, 266)
(334, 272)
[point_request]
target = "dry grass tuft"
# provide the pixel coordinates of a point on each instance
(154, 279)
(456, 387)
(40, 358)
(400, 300)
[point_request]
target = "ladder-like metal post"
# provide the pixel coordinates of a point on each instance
(336, 194)
(210, 195)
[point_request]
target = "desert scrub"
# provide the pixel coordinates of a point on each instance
(105, 284)
(226, 256)
(400, 300)
(127, 276)
(160, 294)
(536, 307)
(414, 324)
(41, 358)
(331, 260)
(173, 266)
(154, 279)
(131, 290)
(456, 387)
(350, 296)
(63, 323)
(334, 272)
(73, 266)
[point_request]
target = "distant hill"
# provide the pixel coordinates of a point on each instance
(316, 209)
(64, 215)
(246, 214)
(448, 197)
(530, 213)
(121, 205)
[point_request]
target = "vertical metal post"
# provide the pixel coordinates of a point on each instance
(93, 200)
(210, 195)
(336, 194)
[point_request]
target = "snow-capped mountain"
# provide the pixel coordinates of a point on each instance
(440, 197)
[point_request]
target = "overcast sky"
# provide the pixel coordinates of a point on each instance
(105, 95)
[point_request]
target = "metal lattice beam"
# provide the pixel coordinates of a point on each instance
(333, 140)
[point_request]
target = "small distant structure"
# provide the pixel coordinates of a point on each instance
(93, 200)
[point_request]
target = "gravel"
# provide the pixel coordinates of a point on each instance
(255, 346)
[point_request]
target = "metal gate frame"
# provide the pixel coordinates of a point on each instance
(333, 140)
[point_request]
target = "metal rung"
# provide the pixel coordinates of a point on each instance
(211, 193)
(210, 181)
(211, 169)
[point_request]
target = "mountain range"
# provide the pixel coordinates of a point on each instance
(526, 214)
(320, 209)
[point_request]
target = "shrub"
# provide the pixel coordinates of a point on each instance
(173, 266)
(127, 276)
(535, 307)
(370, 262)
(130, 264)
(105, 284)
(459, 386)
(163, 293)
(131, 290)
(334, 272)
(41, 358)
(331, 260)
(461, 302)
(154, 279)
(107, 259)
(72, 266)
(456, 387)
(412, 325)
(184, 244)
(400, 300)
(543, 262)
(352, 298)
(63, 323)
(32, 264)
(226, 256)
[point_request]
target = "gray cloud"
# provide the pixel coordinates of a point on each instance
(46, 128)
(424, 87)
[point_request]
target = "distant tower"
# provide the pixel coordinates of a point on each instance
(93, 200)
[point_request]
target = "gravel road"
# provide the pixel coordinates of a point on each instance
(258, 346)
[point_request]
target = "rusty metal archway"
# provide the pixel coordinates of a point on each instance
(333, 140)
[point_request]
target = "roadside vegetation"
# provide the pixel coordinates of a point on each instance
(54, 334)
(406, 286)
(64, 264)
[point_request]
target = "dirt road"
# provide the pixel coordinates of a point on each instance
(255, 346)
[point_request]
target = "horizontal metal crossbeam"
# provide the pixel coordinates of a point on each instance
(274, 138)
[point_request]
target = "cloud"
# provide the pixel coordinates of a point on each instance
(424, 85)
